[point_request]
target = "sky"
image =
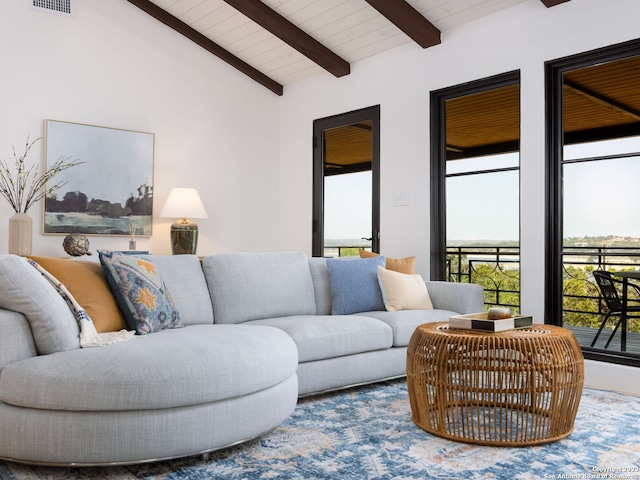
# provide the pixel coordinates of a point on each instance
(600, 198)
(347, 206)
(118, 161)
(483, 206)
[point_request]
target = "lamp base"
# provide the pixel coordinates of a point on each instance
(184, 237)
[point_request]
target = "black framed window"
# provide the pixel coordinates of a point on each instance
(346, 183)
(475, 165)
(593, 166)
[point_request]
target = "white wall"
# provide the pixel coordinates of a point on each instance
(115, 66)
(519, 38)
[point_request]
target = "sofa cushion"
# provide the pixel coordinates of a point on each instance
(320, 337)
(402, 291)
(171, 368)
(88, 285)
(23, 289)
(321, 286)
(141, 293)
(401, 265)
(462, 298)
(250, 286)
(184, 278)
(16, 341)
(354, 285)
(404, 322)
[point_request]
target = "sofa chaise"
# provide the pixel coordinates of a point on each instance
(257, 331)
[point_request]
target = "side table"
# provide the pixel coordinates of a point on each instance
(515, 388)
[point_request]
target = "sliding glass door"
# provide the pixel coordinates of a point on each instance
(593, 115)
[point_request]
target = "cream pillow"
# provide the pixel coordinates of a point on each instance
(402, 291)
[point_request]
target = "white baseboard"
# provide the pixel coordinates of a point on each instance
(610, 376)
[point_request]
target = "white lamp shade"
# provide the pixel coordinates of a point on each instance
(183, 203)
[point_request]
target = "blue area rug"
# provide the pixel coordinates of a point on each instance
(367, 433)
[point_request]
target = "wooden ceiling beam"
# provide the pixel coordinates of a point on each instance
(409, 20)
(294, 36)
(553, 3)
(206, 43)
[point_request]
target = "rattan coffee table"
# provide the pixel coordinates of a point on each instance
(515, 388)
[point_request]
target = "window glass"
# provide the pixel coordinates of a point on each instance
(477, 164)
(601, 198)
(482, 190)
(618, 146)
(597, 189)
(483, 208)
(347, 213)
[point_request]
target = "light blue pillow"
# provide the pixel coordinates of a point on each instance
(354, 285)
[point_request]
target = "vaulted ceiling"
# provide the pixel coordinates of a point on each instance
(279, 42)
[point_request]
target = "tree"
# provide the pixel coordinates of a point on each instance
(582, 305)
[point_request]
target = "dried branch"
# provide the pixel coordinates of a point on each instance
(29, 186)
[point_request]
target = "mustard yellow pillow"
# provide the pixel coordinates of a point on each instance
(402, 265)
(402, 291)
(87, 283)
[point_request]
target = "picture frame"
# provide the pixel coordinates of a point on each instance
(111, 193)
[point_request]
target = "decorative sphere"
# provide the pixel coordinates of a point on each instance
(76, 245)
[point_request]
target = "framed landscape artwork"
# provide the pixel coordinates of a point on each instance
(112, 192)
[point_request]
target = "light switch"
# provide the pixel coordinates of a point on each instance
(400, 199)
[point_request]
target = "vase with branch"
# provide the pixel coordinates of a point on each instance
(24, 186)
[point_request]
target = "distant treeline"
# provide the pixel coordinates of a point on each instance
(602, 241)
(78, 202)
(585, 241)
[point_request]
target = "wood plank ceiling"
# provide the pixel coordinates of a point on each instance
(483, 123)
(279, 42)
(601, 102)
(348, 149)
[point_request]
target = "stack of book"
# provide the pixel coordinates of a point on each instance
(487, 321)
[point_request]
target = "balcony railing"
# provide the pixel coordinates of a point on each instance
(497, 269)
(350, 250)
(582, 303)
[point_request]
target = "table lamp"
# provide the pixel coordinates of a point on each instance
(184, 203)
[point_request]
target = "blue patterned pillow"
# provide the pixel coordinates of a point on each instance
(141, 293)
(354, 285)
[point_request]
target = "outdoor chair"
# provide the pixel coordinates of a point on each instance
(607, 285)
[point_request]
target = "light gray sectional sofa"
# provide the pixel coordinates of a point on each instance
(258, 333)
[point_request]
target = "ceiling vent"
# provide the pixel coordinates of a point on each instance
(60, 7)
